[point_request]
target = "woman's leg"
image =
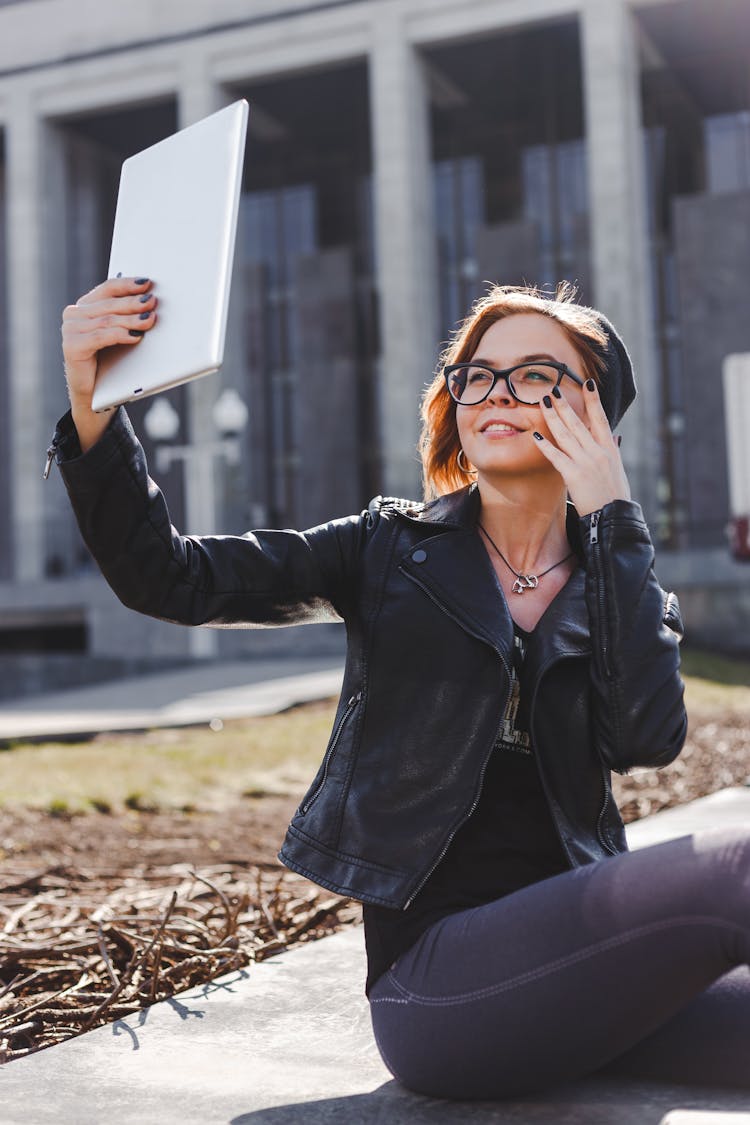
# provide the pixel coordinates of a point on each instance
(563, 977)
(707, 1042)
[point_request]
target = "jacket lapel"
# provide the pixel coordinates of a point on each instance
(563, 629)
(453, 568)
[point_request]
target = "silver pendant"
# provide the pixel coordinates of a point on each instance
(525, 582)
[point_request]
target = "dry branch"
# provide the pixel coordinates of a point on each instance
(107, 948)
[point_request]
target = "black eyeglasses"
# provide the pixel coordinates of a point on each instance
(471, 383)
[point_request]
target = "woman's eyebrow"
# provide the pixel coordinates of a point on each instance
(522, 359)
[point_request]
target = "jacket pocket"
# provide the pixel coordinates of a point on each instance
(338, 730)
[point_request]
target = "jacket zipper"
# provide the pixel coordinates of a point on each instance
(330, 752)
(601, 595)
(599, 830)
(461, 822)
(594, 527)
(50, 458)
(538, 760)
(477, 795)
(600, 834)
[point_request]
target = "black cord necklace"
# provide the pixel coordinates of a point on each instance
(523, 581)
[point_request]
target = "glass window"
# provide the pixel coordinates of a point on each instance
(459, 214)
(727, 140)
(696, 120)
(279, 226)
(555, 196)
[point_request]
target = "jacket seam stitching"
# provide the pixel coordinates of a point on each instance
(377, 605)
(315, 877)
(562, 962)
(335, 853)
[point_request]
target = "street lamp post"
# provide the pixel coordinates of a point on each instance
(230, 418)
(162, 423)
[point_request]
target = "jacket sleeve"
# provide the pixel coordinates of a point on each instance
(638, 706)
(263, 578)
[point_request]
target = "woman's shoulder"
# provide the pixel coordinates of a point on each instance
(385, 504)
(459, 508)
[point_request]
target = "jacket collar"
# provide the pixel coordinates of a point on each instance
(461, 509)
(454, 509)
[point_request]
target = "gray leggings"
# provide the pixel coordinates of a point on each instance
(627, 966)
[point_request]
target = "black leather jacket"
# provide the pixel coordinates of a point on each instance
(427, 670)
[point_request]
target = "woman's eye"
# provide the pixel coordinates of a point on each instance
(536, 376)
(478, 377)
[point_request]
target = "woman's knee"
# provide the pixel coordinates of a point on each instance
(724, 853)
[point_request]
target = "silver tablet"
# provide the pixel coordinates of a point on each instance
(176, 223)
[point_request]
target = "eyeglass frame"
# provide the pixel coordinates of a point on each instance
(561, 368)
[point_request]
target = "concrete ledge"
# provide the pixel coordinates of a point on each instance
(724, 809)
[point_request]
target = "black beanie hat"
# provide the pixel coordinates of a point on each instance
(617, 387)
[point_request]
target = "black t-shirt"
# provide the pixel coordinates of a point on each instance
(508, 842)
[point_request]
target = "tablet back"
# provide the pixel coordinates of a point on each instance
(175, 223)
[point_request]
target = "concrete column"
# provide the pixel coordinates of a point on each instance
(619, 238)
(26, 334)
(6, 484)
(405, 242)
(197, 97)
(325, 328)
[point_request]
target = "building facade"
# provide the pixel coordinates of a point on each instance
(401, 153)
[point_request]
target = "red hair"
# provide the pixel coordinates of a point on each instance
(439, 445)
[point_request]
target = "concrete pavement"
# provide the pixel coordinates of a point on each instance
(182, 697)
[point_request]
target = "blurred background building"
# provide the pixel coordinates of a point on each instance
(401, 153)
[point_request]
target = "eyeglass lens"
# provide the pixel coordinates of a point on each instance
(469, 385)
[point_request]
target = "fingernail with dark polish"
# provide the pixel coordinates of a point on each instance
(135, 332)
(590, 385)
(144, 315)
(144, 297)
(141, 280)
(547, 402)
(619, 440)
(119, 274)
(538, 436)
(557, 392)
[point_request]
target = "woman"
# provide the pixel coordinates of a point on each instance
(506, 650)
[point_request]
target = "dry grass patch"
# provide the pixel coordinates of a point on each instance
(181, 769)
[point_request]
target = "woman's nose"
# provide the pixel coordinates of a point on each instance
(500, 393)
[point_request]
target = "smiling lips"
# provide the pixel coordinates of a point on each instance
(500, 429)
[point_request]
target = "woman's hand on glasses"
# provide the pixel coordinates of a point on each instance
(117, 311)
(585, 452)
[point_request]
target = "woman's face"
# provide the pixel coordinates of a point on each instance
(497, 435)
